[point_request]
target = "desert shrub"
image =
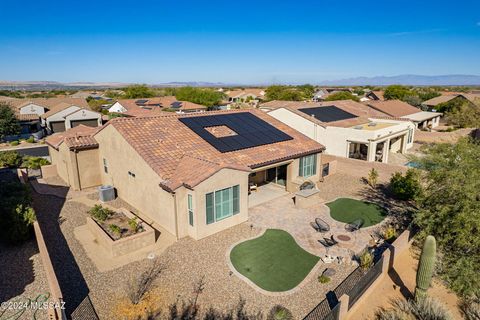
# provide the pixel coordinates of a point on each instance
(142, 283)
(389, 233)
(405, 187)
(115, 229)
(14, 143)
(366, 260)
(34, 162)
(31, 139)
(323, 279)
(10, 159)
(425, 309)
(133, 224)
(279, 312)
(100, 213)
(16, 216)
(372, 177)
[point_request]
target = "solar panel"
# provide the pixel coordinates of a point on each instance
(250, 131)
(328, 113)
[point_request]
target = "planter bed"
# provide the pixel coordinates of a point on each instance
(128, 241)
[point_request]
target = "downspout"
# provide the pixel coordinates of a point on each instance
(78, 171)
(176, 214)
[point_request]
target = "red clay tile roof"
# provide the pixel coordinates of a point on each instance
(79, 137)
(394, 108)
(181, 157)
(362, 111)
(27, 117)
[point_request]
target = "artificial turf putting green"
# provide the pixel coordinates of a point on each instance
(273, 261)
(348, 210)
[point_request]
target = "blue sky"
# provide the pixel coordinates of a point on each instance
(236, 41)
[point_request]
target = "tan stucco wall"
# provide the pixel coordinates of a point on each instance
(88, 168)
(142, 192)
(294, 180)
(58, 158)
(223, 179)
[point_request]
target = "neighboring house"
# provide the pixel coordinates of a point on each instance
(375, 95)
(244, 95)
(190, 174)
(66, 115)
(400, 109)
(323, 93)
(346, 128)
(433, 103)
(137, 107)
(30, 113)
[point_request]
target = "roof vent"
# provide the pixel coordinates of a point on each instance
(372, 124)
(358, 127)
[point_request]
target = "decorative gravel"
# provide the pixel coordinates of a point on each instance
(186, 261)
(22, 277)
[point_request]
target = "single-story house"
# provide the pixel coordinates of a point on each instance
(323, 93)
(136, 107)
(375, 95)
(66, 115)
(400, 109)
(346, 128)
(245, 94)
(30, 111)
(191, 174)
(434, 103)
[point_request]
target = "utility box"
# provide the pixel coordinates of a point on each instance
(106, 193)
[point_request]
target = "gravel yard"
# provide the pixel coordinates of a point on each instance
(22, 277)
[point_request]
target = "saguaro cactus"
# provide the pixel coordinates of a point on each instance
(425, 268)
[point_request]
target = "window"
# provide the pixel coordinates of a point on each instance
(190, 209)
(105, 166)
(222, 204)
(410, 136)
(308, 166)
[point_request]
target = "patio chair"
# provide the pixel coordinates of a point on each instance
(322, 225)
(354, 225)
(330, 241)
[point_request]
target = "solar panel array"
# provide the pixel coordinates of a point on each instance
(250, 130)
(328, 113)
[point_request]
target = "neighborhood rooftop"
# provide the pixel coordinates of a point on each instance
(346, 113)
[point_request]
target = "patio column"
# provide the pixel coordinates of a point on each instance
(372, 148)
(386, 146)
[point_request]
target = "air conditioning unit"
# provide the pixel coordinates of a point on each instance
(106, 193)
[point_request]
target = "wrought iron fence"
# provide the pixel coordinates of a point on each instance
(365, 282)
(323, 311)
(354, 286)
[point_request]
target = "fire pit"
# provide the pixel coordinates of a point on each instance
(344, 240)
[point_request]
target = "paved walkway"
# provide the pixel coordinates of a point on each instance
(281, 213)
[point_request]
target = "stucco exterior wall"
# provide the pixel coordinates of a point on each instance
(58, 158)
(117, 107)
(32, 108)
(225, 178)
(59, 116)
(82, 115)
(88, 168)
(142, 191)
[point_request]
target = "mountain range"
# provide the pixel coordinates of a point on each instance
(407, 79)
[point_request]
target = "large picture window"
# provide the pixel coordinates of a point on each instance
(308, 166)
(222, 204)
